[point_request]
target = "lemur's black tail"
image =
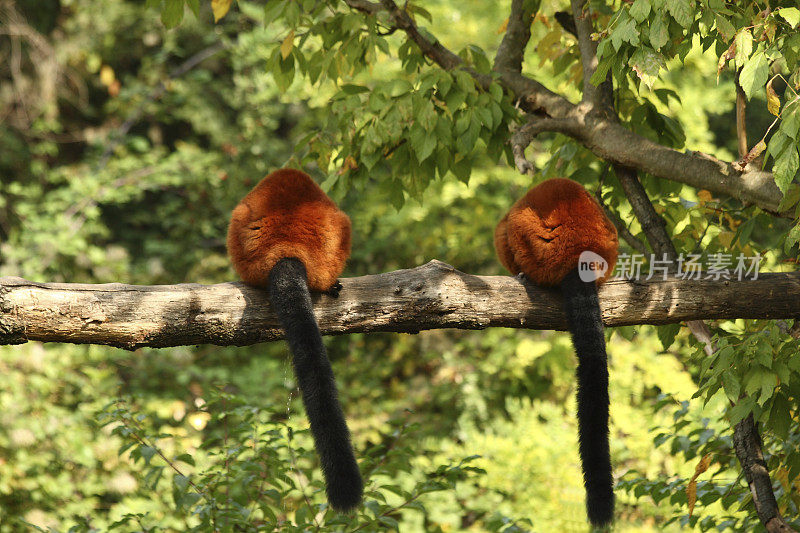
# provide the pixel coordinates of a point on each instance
(291, 300)
(586, 327)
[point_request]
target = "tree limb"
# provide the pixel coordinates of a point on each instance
(365, 6)
(524, 135)
(747, 444)
(741, 120)
(518, 33)
(613, 142)
(431, 296)
(622, 230)
(653, 226)
(400, 19)
(624, 233)
(599, 97)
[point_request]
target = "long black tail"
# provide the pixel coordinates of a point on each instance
(586, 327)
(291, 300)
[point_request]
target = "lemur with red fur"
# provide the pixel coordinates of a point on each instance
(288, 236)
(542, 237)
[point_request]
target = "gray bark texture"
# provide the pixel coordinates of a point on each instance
(431, 296)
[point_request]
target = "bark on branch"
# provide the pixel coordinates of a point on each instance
(431, 296)
(747, 445)
(518, 33)
(600, 98)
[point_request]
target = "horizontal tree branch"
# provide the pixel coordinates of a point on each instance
(431, 296)
(613, 142)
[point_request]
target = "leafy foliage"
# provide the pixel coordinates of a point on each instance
(762, 46)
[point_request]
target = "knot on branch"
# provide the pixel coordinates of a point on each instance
(441, 266)
(11, 330)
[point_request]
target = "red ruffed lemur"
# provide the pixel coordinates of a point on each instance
(542, 236)
(288, 236)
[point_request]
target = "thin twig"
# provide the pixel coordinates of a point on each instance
(741, 123)
(524, 135)
(599, 97)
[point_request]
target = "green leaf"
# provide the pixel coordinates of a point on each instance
(739, 411)
(785, 168)
(682, 11)
(754, 74)
(647, 64)
(744, 47)
(389, 522)
(792, 238)
(667, 333)
(444, 159)
(422, 142)
(778, 144)
(496, 90)
(724, 26)
(763, 355)
(350, 88)
(147, 453)
(444, 131)
(189, 499)
(790, 198)
(181, 483)
(790, 120)
(743, 232)
(455, 98)
(396, 196)
(274, 10)
(485, 114)
(185, 458)
(285, 74)
(399, 88)
(768, 383)
(171, 13)
(640, 9)
(465, 141)
(396, 489)
(497, 114)
(659, 33)
(415, 9)
(462, 169)
(790, 15)
(194, 5)
(603, 67)
(444, 83)
(780, 417)
(731, 385)
(625, 32)
(462, 123)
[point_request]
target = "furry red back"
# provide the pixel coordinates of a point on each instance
(545, 231)
(288, 215)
